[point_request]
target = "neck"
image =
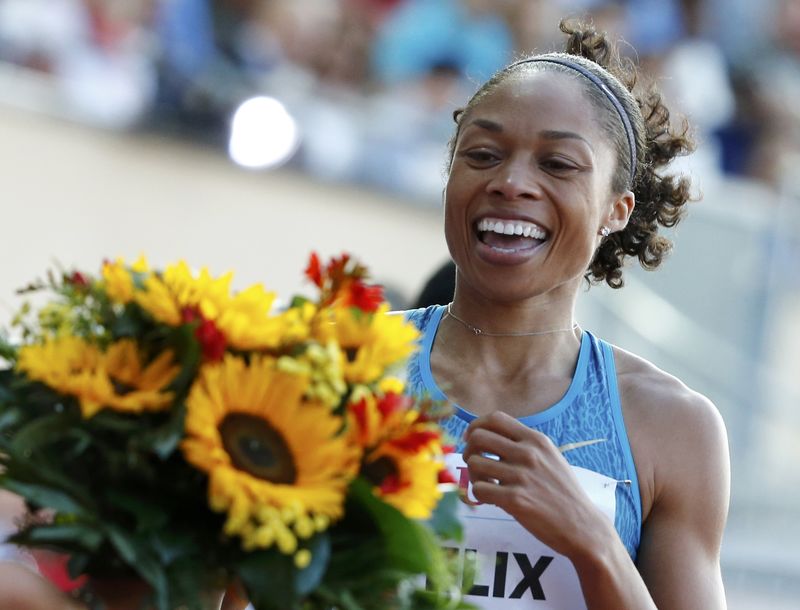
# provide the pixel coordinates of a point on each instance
(523, 333)
(517, 336)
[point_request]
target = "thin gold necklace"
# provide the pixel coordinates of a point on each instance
(477, 331)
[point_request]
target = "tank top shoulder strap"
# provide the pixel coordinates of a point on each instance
(607, 371)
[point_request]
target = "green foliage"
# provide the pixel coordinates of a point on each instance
(444, 520)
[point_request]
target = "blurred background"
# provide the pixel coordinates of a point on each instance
(242, 134)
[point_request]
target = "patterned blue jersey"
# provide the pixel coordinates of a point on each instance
(589, 410)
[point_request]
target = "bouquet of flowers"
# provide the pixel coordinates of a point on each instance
(162, 426)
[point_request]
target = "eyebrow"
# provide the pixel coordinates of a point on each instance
(487, 125)
(547, 134)
(553, 134)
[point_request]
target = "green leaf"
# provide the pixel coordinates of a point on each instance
(307, 579)
(73, 534)
(44, 496)
(125, 325)
(444, 520)
(42, 431)
(403, 538)
(298, 301)
(165, 438)
(10, 417)
(8, 351)
(265, 575)
(82, 440)
(137, 557)
(170, 545)
(7, 377)
(116, 422)
(188, 581)
(24, 469)
(148, 515)
(77, 564)
(188, 348)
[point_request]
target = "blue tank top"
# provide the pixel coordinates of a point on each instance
(589, 410)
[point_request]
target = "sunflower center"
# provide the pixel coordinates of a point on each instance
(257, 448)
(377, 471)
(351, 353)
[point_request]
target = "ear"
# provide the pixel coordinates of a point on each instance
(621, 210)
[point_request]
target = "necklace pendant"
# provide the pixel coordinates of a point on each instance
(477, 331)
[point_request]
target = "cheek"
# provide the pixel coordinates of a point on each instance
(454, 215)
(454, 232)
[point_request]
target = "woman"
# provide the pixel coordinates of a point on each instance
(598, 480)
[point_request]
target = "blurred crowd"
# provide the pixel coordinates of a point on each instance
(371, 84)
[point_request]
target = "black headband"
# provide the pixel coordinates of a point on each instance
(597, 82)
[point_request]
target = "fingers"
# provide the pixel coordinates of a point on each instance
(491, 493)
(501, 435)
(499, 422)
(485, 441)
(493, 471)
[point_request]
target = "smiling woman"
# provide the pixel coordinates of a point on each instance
(596, 480)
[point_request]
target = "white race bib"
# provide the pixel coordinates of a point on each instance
(515, 571)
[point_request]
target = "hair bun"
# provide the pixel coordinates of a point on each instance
(584, 40)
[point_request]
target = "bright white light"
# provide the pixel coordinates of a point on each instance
(263, 134)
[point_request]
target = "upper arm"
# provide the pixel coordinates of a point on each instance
(680, 546)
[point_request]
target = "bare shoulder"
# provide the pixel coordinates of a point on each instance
(677, 435)
(653, 396)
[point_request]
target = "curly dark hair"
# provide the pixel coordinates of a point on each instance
(660, 198)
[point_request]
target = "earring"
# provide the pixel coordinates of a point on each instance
(604, 231)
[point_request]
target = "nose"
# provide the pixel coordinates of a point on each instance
(514, 179)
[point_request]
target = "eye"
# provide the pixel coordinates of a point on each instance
(480, 157)
(559, 165)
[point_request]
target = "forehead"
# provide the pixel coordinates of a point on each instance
(540, 100)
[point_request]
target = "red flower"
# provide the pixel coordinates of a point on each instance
(359, 411)
(366, 298)
(446, 477)
(415, 441)
(211, 339)
(314, 270)
(392, 402)
(77, 279)
(189, 314)
(336, 269)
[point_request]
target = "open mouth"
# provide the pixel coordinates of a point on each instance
(510, 235)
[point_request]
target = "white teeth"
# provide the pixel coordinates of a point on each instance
(519, 227)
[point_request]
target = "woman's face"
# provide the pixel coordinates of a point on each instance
(530, 160)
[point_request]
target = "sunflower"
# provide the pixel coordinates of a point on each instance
(60, 362)
(127, 383)
(244, 319)
(118, 379)
(118, 278)
(409, 482)
(372, 342)
(247, 323)
(402, 450)
(167, 296)
(278, 464)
